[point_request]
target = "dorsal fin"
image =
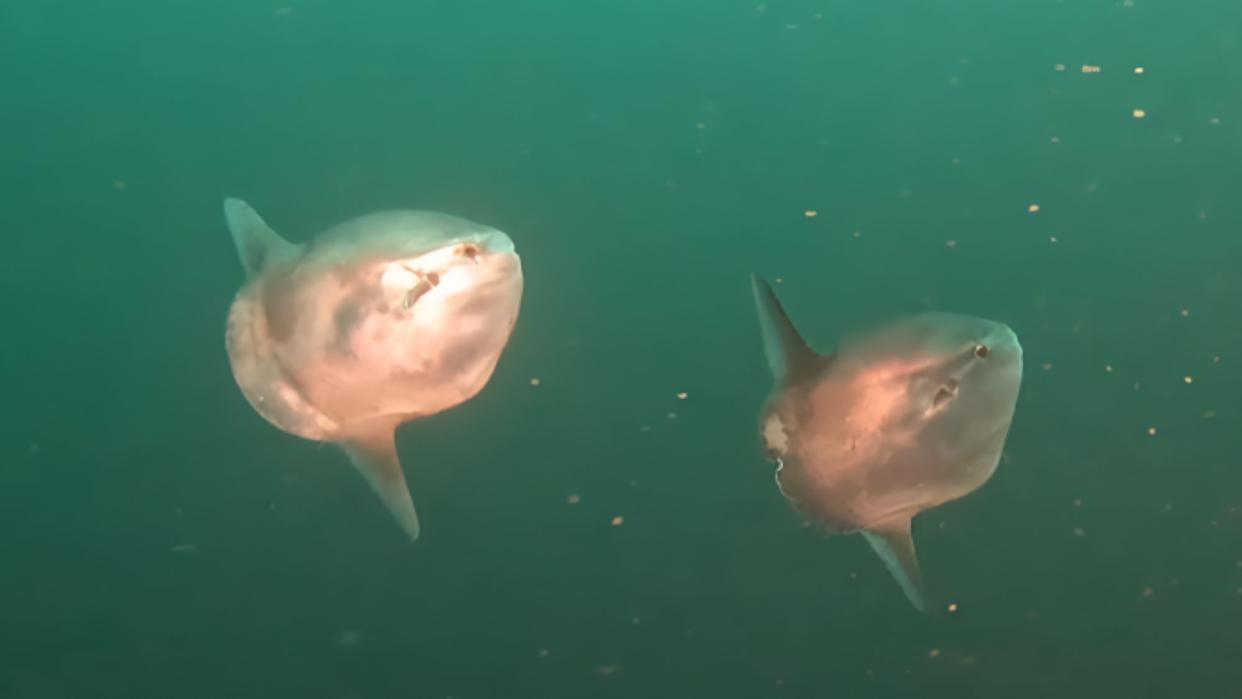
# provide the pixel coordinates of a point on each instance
(257, 244)
(787, 352)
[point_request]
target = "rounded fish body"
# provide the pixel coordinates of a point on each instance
(389, 317)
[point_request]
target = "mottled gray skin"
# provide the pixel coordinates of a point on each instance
(378, 321)
(904, 417)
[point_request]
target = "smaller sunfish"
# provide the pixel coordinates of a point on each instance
(376, 322)
(904, 417)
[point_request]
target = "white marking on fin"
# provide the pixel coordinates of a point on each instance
(786, 351)
(257, 244)
(375, 456)
(894, 545)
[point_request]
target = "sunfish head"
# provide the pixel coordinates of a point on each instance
(378, 321)
(904, 417)
(936, 392)
(421, 305)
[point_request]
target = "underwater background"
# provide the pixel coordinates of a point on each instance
(591, 533)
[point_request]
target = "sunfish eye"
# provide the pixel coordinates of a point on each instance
(469, 250)
(982, 351)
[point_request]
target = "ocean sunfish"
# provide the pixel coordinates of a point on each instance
(904, 417)
(376, 322)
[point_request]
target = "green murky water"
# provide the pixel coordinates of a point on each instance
(160, 540)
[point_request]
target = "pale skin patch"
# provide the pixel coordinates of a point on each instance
(774, 436)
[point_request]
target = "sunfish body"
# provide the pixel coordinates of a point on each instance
(901, 419)
(376, 322)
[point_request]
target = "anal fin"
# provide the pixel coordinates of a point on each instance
(894, 545)
(374, 454)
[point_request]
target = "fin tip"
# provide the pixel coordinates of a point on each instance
(894, 544)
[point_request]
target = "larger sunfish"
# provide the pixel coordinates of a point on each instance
(376, 322)
(904, 417)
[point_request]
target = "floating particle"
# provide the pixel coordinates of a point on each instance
(810, 213)
(1077, 502)
(635, 621)
(606, 670)
(934, 653)
(349, 638)
(1139, 113)
(574, 499)
(1151, 431)
(950, 243)
(644, 428)
(1185, 312)
(761, 8)
(1168, 507)
(119, 185)
(1108, 368)
(1088, 68)
(185, 548)
(700, 125)
(534, 381)
(1047, 366)
(1138, 70)
(283, 11)
(1148, 592)
(1214, 121)
(683, 395)
(1216, 360)
(1052, 239)
(1060, 67)
(1033, 208)
(618, 521)
(857, 234)
(543, 652)
(791, 26)
(1209, 414)
(1079, 531)
(952, 607)
(1188, 379)
(1055, 139)
(671, 416)
(780, 280)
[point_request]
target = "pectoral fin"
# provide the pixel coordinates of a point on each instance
(375, 455)
(894, 545)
